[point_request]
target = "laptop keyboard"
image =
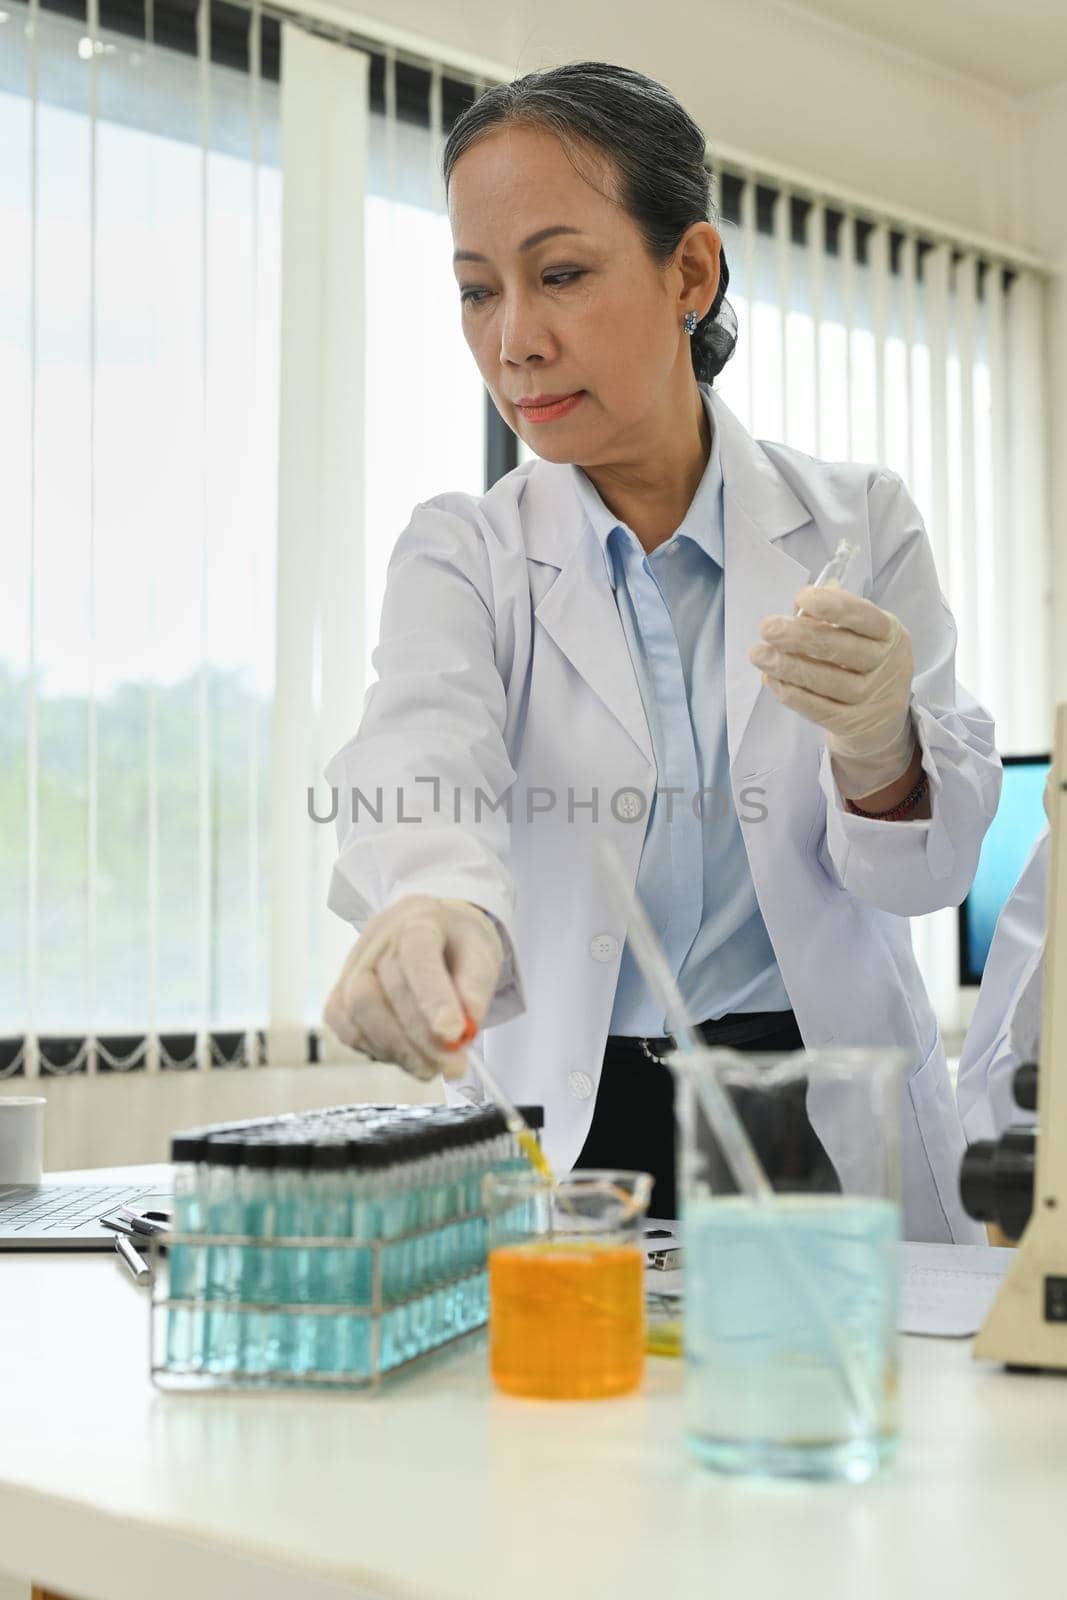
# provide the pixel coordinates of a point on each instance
(64, 1207)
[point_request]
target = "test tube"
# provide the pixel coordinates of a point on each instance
(186, 1263)
(331, 1217)
(834, 569)
(365, 1160)
(223, 1217)
(261, 1342)
(404, 1176)
(295, 1216)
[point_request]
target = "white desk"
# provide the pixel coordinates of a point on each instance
(440, 1489)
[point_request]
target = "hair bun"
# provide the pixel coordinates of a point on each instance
(716, 335)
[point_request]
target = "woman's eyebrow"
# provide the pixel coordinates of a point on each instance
(527, 244)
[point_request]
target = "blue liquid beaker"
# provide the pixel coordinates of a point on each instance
(791, 1302)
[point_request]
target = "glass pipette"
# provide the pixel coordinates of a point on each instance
(517, 1125)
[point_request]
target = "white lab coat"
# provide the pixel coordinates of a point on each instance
(1006, 1027)
(503, 665)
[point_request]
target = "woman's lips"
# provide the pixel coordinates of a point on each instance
(560, 408)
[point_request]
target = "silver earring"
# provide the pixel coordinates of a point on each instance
(690, 323)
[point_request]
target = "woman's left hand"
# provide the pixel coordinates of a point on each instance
(847, 665)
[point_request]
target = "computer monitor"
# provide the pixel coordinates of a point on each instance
(1020, 818)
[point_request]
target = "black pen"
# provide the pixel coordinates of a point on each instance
(140, 1271)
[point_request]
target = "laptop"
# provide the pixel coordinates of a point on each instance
(64, 1213)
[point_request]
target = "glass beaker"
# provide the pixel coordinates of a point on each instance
(790, 1303)
(566, 1282)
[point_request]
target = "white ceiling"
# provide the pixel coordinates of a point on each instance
(1018, 45)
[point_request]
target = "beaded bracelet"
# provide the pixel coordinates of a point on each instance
(898, 812)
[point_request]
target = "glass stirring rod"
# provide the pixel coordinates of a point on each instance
(723, 1117)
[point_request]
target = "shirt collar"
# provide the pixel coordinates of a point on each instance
(702, 523)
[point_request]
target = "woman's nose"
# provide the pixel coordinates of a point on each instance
(522, 330)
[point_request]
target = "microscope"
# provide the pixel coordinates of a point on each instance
(1019, 1181)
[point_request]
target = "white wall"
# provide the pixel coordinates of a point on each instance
(116, 1119)
(767, 79)
(1044, 190)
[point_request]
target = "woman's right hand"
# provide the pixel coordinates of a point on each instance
(416, 973)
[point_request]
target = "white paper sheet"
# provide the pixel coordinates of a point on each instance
(946, 1289)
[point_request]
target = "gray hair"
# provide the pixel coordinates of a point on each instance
(657, 150)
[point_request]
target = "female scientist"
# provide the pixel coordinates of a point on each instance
(605, 645)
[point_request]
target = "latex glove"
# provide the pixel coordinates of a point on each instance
(416, 973)
(847, 665)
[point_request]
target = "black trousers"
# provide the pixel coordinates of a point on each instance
(633, 1120)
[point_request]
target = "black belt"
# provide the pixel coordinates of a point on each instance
(740, 1028)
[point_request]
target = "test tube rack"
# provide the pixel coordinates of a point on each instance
(200, 1343)
(326, 1249)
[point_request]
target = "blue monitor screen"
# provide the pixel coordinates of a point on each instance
(1020, 818)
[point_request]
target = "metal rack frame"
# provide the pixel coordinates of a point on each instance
(166, 1376)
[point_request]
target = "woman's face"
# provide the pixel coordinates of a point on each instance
(584, 310)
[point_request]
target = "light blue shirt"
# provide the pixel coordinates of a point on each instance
(693, 878)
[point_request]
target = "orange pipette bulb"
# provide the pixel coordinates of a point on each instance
(469, 1030)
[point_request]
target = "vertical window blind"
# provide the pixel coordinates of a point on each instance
(214, 414)
(190, 599)
(863, 337)
(140, 198)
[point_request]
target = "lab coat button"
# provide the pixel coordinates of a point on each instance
(605, 947)
(580, 1085)
(629, 804)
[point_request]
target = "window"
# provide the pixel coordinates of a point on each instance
(139, 331)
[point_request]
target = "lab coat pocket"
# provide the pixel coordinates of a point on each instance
(817, 851)
(823, 859)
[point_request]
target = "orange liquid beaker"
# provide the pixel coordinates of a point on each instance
(567, 1318)
(566, 1283)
